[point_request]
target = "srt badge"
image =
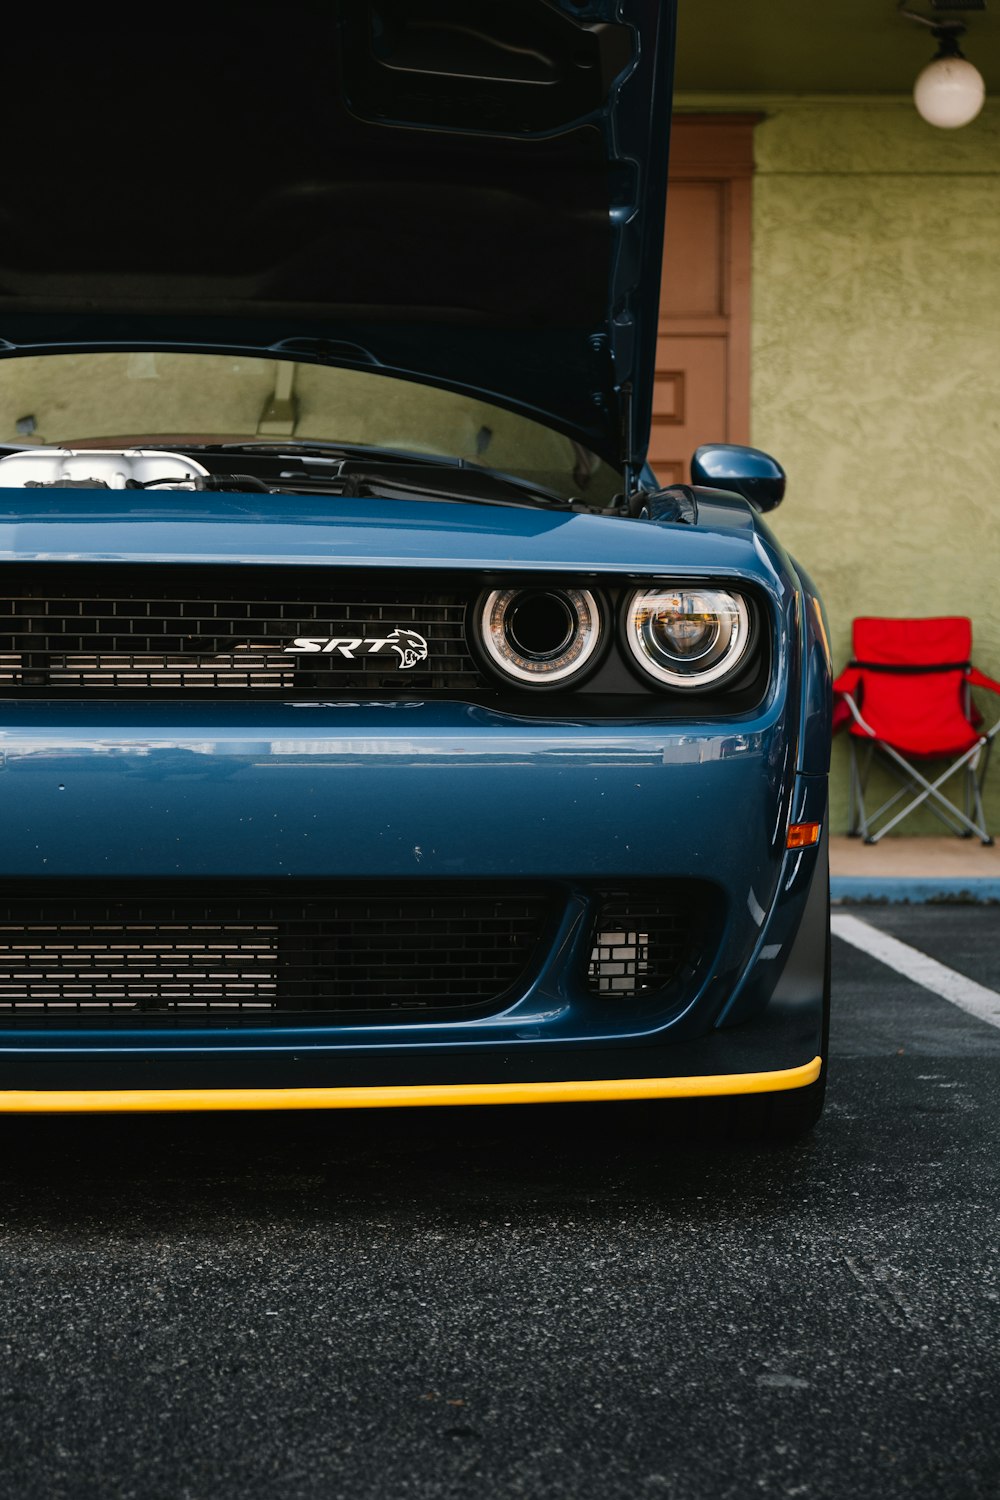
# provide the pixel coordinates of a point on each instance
(410, 647)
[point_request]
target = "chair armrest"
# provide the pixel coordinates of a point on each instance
(854, 712)
(975, 678)
(844, 707)
(848, 680)
(978, 679)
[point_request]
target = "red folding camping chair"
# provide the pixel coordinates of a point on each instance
(905, 697)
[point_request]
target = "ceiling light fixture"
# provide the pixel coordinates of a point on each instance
(950, 91)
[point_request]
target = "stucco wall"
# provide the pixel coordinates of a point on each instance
(876, 364)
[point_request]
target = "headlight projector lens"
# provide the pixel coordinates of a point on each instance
(540, 636)
(687, 638)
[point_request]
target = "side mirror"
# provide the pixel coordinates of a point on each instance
(756, 476)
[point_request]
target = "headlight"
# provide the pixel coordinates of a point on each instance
(540, 636)
(687, 638)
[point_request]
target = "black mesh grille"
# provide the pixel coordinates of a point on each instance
(152, 630)
(642, 941)
(255, 958)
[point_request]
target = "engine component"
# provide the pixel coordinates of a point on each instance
(99, 469)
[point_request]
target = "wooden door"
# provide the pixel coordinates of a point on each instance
(702, 390)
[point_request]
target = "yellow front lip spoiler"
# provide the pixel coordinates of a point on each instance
(400, 1096)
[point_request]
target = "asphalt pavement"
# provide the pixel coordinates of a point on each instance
(557, 1302)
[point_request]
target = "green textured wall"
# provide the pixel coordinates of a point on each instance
(876, 364)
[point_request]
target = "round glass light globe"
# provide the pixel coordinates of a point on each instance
(949, 92)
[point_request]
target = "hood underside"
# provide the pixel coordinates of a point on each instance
(466, 192)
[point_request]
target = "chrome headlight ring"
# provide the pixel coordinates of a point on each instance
(542, 636)
(687, 637)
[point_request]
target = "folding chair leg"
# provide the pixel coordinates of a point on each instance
(981, 777)
(855, 827)
(964, 823)
(931, 790)
(977, 776)
(907, 789)
(911, 782)
(859, 817)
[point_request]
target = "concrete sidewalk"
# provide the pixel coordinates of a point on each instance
(914, 869)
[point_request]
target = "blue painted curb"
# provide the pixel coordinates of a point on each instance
(916, 889)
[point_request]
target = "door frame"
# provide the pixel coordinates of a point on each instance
(719, 148)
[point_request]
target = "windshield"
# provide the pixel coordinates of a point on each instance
(185, 399)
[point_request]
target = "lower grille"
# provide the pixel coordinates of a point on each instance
(643, 941)
(257, 959)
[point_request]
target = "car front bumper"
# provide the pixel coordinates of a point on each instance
(443, 792)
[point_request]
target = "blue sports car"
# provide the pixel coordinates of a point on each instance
(375, 730)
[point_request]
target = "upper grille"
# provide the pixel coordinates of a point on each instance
(244, 957)
(85, 630)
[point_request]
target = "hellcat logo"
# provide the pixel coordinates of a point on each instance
(410, 647)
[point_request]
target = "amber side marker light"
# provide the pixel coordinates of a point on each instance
(802, 835)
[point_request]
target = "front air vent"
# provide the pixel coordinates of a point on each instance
(644, 939)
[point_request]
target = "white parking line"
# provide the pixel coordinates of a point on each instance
(969, 996)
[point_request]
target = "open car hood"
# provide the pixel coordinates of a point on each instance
(468, 192)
